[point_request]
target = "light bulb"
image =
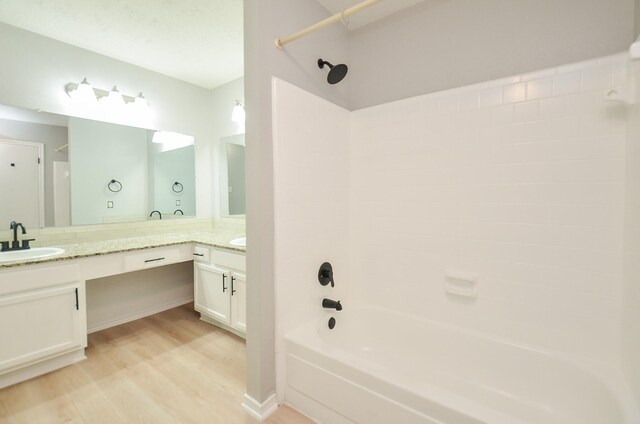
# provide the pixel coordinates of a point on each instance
(141, 103)
(84, 94)
(238, 114)
(114, 100)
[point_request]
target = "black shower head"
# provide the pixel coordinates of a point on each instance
(336, 73)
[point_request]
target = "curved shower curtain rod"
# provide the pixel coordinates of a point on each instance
(280, 42)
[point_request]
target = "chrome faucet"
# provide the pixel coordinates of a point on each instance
(331, 304)
(158, 212)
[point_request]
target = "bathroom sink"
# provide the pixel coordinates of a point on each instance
(34, 253)
(240, 242)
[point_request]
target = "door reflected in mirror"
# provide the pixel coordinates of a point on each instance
(58, 171)
(232, 167)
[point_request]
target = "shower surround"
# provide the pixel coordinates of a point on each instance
(520, 181)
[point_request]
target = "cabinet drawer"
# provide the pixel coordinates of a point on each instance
(201, 254)
(150, 259)
(228, 260)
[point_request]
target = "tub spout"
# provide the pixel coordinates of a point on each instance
(331, 304)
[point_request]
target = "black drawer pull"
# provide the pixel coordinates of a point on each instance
(154, 260)
(198, 254)
(233, 280)
(224, 279)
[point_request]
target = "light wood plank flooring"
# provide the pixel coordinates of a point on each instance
(167, 368)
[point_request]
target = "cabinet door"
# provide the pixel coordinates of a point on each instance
(212, 288)
(41, 323)
(239, 301)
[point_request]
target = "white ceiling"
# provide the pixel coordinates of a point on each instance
(198, 41)
(371, 14)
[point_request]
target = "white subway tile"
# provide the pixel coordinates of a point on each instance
(539, 88)
(502, 115)
(599, 78)
(566, 83)
(491, 97)
(526, 112)
(514, 93)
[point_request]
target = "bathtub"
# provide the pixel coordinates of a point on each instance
(378, 366)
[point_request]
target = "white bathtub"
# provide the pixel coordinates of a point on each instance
(378, 366)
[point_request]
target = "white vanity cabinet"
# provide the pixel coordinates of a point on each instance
(42, 321)
(220, 288)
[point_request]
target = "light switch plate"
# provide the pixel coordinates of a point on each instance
(177, 203)
(109, 204)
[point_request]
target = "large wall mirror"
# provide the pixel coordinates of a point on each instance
(57, 171)
(232, 171)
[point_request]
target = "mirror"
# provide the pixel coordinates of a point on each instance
(58, 171)
(232, 169)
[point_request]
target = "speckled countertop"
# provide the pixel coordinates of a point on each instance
(219, 239)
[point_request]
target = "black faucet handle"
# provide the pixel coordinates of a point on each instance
(25, 243)
(5, 246)
(325, 274)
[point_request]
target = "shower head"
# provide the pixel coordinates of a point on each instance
(336, 72)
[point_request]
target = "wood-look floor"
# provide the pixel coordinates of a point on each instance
(167, 368)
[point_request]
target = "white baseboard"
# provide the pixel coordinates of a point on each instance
(260, 411)
(43, 367)
(140, 314)
(221, 325)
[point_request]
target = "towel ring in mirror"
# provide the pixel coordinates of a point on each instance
(114, 186)
(177, 187)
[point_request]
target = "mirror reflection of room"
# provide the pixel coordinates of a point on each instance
(232, 168)
(59, 171)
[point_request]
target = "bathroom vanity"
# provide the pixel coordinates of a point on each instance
(43, 304)
(220, 288)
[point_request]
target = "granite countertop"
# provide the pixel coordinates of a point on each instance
(219, 239)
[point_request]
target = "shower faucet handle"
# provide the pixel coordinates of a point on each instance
(325, 274)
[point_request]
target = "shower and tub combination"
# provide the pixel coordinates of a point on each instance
(456, 225)
(476, 251)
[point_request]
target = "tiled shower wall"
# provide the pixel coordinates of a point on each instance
(311, 210)
(631, 291)
(520, 180)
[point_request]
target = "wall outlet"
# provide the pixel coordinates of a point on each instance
(177, 203)
(109, 204)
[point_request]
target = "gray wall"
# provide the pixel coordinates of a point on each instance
(52, 137)
(264, 21)
(637, 18)
(442, 44)
(40, 68)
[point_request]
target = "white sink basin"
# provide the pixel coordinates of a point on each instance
(240, 242)
(33, 253)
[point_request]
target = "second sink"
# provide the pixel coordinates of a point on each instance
(240, 242)
(34, 253)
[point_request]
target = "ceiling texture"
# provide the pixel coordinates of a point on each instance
(198, 41)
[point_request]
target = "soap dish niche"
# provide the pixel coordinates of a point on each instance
(461, 283)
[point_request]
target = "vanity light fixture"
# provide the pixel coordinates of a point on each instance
(238, 114)
(87, 94)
